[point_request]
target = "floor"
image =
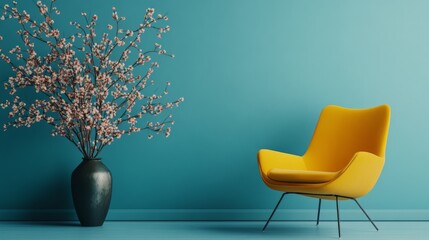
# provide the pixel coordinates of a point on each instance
(123, 230)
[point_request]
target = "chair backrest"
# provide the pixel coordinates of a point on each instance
(341, 132)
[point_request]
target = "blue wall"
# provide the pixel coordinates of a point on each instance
(255, 74)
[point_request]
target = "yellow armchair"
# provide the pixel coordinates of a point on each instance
(343, 161)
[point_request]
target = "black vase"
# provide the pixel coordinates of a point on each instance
(92, 190)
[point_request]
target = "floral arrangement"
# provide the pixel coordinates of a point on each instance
(87, 86)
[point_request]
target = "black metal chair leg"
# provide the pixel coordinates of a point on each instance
(365, 214)
(338, 217)
(318, 211)
(269, 219)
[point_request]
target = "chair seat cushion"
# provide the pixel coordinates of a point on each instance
(300, 176)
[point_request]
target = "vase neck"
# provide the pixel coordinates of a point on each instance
(90, 159)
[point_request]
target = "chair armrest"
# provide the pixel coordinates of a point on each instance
(269, 159)
(359, 176)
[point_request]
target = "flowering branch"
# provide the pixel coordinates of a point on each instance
(89, 89)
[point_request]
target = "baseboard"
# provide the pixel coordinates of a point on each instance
(217, 215)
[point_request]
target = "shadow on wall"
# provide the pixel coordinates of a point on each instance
(41, 192)
(51, 200)
(35, 175)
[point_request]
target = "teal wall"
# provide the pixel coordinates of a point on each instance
(255, 74)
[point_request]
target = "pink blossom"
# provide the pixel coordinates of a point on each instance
(115, 16)
(93, 97)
